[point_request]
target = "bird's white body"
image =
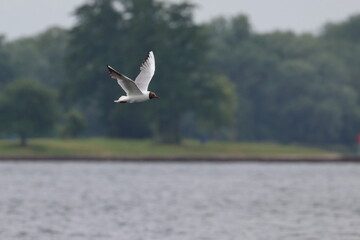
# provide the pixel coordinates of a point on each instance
(136, 91)
(134, 98)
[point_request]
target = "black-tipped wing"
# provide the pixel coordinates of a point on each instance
(147, 70)
(125, 83)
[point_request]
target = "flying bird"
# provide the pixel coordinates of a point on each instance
(136, 91)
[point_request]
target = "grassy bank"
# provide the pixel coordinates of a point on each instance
(100, 147)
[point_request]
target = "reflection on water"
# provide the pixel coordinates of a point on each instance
(179, 201)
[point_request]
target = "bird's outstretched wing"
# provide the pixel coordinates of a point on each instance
(147, 70)
(125, 83)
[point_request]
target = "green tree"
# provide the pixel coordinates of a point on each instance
(120, 36)
(27, 109)
(40, 57)
(344, 31)
(6, 71)
(311, 100)
(291, 88)
(304, 84)
(74, 124)
(342, 40)
(96, 40)
(217, 114)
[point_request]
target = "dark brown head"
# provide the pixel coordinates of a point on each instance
(153, 95)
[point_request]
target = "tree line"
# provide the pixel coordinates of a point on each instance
(218, 80)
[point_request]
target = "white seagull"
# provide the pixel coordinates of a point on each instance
(136, 91)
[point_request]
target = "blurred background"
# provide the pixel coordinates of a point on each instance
(237, 79)
(243, 71)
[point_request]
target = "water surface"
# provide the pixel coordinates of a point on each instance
(137, 201)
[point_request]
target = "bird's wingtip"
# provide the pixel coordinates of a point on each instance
(110, 68)
(111, 71)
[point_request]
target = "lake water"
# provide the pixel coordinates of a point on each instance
(173, 201)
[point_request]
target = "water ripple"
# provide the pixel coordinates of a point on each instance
(179, 201)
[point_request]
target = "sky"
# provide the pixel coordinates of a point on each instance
(19, 18)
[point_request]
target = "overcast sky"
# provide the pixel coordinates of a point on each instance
(27, 17)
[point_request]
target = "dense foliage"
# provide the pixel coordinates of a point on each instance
(27, 109)
(40, 57)
(121, 36)
(6, 70)
(292, 88)
(216, 80)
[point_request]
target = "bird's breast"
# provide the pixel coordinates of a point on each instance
(138, 98)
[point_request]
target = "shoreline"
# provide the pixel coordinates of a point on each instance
(265, 159)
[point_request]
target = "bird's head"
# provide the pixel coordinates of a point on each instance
(153, 95)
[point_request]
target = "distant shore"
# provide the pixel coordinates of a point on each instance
(125, 150)
(284, 159)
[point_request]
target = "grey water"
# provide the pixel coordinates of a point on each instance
(172, 201)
